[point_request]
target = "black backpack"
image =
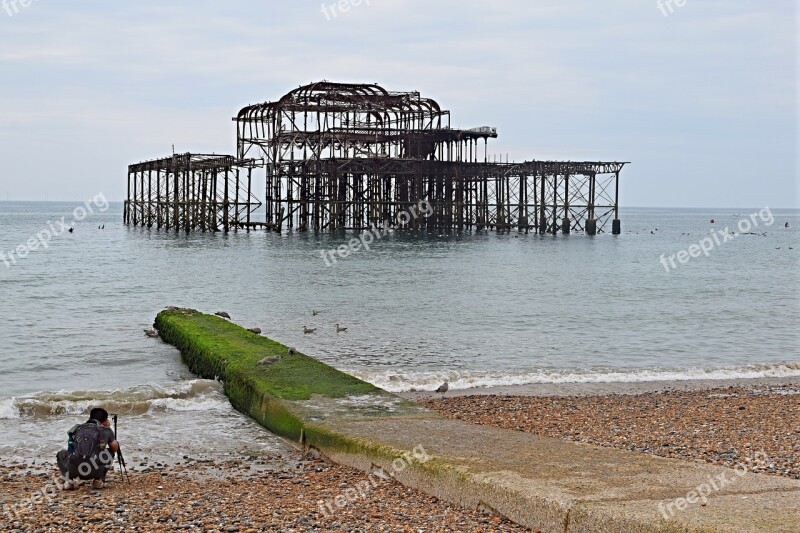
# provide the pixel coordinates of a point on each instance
(86, 443)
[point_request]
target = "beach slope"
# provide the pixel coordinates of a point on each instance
(541, 482)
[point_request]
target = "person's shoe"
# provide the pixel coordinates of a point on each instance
(98, 484)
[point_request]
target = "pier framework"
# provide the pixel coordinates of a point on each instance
(331, 156)
(191, 191)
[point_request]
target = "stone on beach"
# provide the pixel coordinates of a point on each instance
(728, 427)
(230, 496)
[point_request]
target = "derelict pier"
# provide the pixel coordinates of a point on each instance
(332, 156)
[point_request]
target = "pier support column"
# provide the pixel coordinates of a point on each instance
(616, 226)
(565, 226)
(591, 226)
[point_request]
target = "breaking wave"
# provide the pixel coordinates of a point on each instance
(394, 381)
(194, 395)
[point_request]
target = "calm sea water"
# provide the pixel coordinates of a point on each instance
(477, 309)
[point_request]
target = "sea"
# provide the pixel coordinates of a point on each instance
(674, 297)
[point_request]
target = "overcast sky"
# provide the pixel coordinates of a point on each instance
(700, 97)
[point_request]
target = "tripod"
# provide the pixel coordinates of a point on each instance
(123, 469)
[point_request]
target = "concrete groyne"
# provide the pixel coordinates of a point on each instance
(544, 483)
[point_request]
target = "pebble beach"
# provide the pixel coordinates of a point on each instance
(233, 496)
(757, 426)
(754, 426)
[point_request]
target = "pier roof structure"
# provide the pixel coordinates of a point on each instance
(331, 156)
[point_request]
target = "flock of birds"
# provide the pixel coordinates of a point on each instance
(306, 330)
(152, 333)
(72, 228)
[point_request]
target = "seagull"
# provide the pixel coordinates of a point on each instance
(257, 331)
(443, 387)
(151, 333)
(314, 312)
(223, 314)
(270, 360)
(340, 329)
(308, 330)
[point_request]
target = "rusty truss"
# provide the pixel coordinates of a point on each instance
(191, 191)
(331, 156)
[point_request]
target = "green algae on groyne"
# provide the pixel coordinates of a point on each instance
(541, 482)
(283, 396)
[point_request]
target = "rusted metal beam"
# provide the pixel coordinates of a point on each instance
(335, 156)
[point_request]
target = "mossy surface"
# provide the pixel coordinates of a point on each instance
(214, 347)
(295, 397)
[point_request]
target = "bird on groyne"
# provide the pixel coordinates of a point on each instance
(308, 330)
(443, 387)
(223, 314)
(151, 333)
(340, 329)
(270, 360)
(257, 331)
